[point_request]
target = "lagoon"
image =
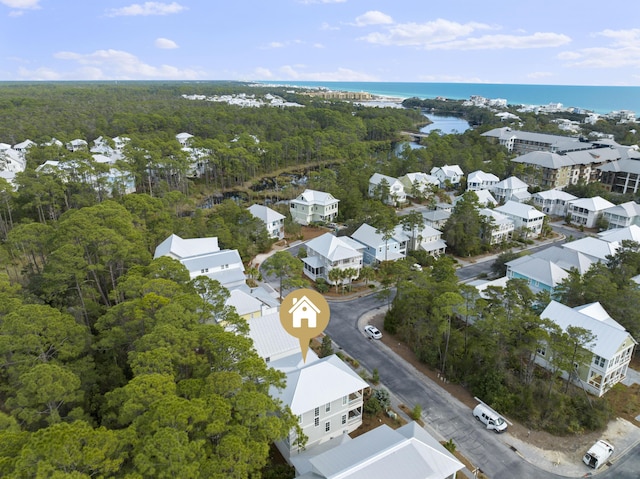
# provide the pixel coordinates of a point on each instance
(445, 124)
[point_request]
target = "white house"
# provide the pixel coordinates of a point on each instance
(430, 240)
(313, 206)
(11, 162)
(622, 215)
(382, 453)
(252, 303)
(377, 249)
(610, 352)
(273, 221)
(511, 189)
(618, 235)
(23, 146)
(436, 218)
(203, 257)
(77, 145)
(327, 252)
(184, 139)
(485, 198)
(418, 182)
(396, 192)
(553, 202)
(595, 248)
(586, 211)
(479, 180)
(502, 226)
(447, 174)
(524, 217)
(327, 397)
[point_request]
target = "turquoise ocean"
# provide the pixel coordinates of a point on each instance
(599, 99)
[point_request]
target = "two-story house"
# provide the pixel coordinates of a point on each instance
(273, 221)
(479, 180)
(418, 183)
(328, 252)
(313, 206)
(525, 217)
(622, 215)
(326, 395)
(511, 189)
(390, 190)
(500, 227)
(377, 248)
(553, 202)
(609, 353)
(203, 257)
(586, 211)
(447, 174)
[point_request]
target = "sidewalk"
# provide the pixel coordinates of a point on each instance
(621, 433)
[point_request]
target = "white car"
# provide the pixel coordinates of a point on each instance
(372, 332)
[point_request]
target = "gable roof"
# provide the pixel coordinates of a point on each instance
(594, 247)
(629, 209)
(480, 176)
(554, 194)
(566, 258)
(511, 183)
(538, 269)
(408, 452)
(313, 197)
(544, 159)
(180, 248)
(596, 203)
(626, 165)
(270, 339)
(619, 234)
(332, 247)
(377, 178)
(264, 213)
(521, 210)
(610, 335)
(318, 383)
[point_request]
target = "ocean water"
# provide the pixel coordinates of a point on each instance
(599, 99)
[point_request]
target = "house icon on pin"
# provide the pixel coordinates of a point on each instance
(304, 309)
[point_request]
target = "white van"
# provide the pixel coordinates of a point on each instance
(598, 454)
(490, 418)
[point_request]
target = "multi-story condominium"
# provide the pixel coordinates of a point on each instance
(622, 176)
(609, 353)
(313, 207)
(523, 142)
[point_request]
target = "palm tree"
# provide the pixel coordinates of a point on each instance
(334, 276)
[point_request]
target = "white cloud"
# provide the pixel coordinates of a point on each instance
(147, 8)
(326, 26)
(120, 65)
(40, 74)
(22, 4)
(262, 73)
(165, 43)
(623, 51)
(424, 34)
(373, 17)
(289, 72)
(447, 35)
(318, 45)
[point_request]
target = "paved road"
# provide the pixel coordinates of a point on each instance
(445, 416)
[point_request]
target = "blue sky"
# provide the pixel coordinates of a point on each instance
(563, 42)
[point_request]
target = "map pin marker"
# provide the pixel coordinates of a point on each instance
(304, 314)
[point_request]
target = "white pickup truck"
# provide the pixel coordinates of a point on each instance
(598, 454)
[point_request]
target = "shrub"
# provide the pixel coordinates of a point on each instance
(416, 413)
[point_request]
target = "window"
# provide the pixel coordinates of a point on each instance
(344, 419)
(204, 270)
(598, 361)
(316, 422)
(300, 419)
(327, 407)
(316, 412)
(327, 426)
(345, 400)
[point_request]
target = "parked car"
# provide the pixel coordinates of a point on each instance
(372, 332)
(598, 454)
(491, 419)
